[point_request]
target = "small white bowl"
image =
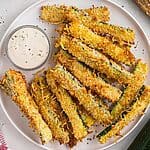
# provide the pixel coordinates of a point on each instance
(20, 63)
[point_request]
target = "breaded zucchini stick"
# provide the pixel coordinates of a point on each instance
(69, 107)
(43, 98)
(118, 34)
(93, 18)
(86, 118)
(14, 83)
(123, 36)
(56, 15)
(132, 89)
(137, 109)
(87, 78)
(94, 59)
(68, 82)
(99, 14)
(88, 121)
(55, 107)
(100, 43)
(61, 27)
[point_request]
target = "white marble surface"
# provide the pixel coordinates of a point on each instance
(9, 9)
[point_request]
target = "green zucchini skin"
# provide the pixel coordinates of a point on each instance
(131, 90)
(14, 83)
(102, 44)
(69, 107)
(43, 97)
(87, 77)
(93, 58)
(105, 131)
(136, 109)
(87, 100)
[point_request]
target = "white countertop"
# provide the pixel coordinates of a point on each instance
(9, 9)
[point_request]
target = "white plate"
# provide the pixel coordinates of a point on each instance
(31, 16)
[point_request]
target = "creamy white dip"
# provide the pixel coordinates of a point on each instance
(28, 47)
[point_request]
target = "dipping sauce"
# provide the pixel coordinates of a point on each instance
(28, 47)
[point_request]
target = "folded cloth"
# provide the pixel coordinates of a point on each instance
(3, 145)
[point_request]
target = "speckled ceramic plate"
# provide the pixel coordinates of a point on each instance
(31, 17)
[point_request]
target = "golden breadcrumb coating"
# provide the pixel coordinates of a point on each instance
(86, 118)
(117, 34)
(56, 15)
(137, 109)
(100, 43)
(93, 80)
(99, 14)
(94, 18)
(144, 5)
(43, 98)
(87, 78)
(68, 82)
(94, 59)
(69, 107)
(132, 89)
(15, 82)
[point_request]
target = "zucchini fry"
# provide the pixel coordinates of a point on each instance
(100, 43)
(99, 14)
(94, 59)
(57, 15)
(117, 34)
(87, 78)
(86, 118)
(137, 109)
(61, 27)
(55, 107)
(54, 14)
(123, 36)
(93, 18)
(132, 89)
(69, 107)
(43, 98)
(68, 82)
(14, 83)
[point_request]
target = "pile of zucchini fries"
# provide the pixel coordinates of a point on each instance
(63, 102)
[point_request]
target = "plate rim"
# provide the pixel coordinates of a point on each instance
(1, 103)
